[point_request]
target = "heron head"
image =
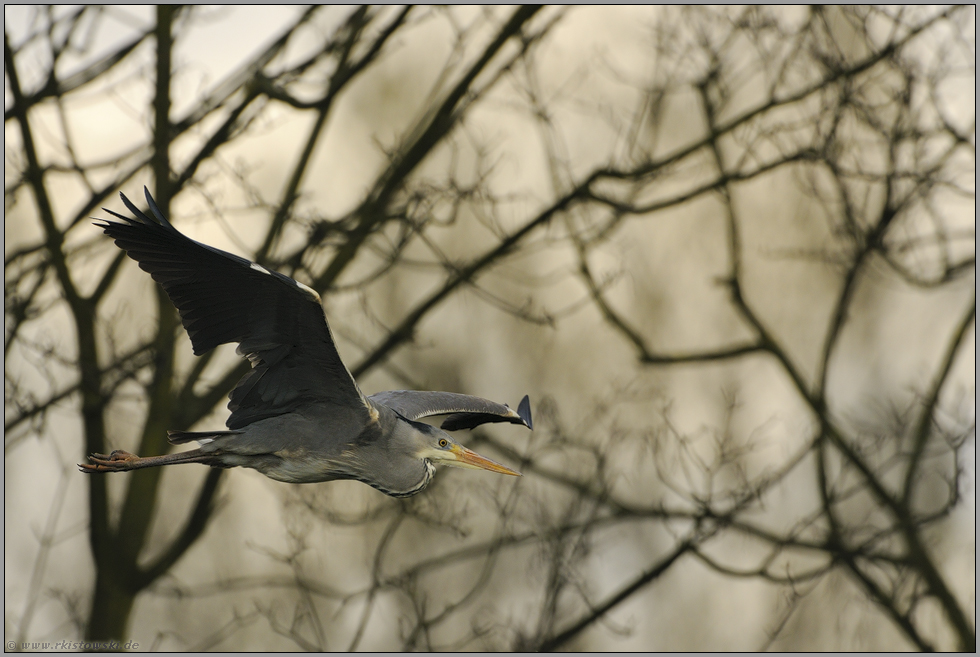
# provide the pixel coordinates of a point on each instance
(439, 448)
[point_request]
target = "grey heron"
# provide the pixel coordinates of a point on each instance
(297, 416)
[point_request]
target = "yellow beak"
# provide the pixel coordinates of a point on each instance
(467, 458)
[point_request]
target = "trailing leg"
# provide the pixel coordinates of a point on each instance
(121, 461)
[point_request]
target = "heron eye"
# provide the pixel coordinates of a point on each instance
(443, 442)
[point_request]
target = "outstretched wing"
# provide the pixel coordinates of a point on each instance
(278, 322)
(465, 411)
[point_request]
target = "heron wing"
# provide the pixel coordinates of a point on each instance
(278, 322)
(465, 411)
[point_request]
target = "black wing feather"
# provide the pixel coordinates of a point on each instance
(458, 421)
(222, 298)
(464, 411)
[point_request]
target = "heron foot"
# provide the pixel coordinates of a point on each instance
(117, 461)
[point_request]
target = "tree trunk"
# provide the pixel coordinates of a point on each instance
(111, 606)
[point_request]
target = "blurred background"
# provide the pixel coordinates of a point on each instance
(729, 253)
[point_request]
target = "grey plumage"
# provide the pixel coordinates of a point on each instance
(298, 415)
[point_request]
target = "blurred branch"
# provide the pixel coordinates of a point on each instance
(55, 87)
(436, 125)
(925, 426)
(649, 575)
(196, 524)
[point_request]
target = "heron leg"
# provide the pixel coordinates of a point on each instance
(121, 461)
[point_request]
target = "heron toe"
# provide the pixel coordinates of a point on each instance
(117, 461)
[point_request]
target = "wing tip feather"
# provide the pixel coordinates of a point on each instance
(524, 411)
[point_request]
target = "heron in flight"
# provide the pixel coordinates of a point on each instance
(297, 416)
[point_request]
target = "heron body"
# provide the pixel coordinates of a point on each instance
(297, 416)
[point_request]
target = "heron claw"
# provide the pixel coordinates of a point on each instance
(116, 461)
